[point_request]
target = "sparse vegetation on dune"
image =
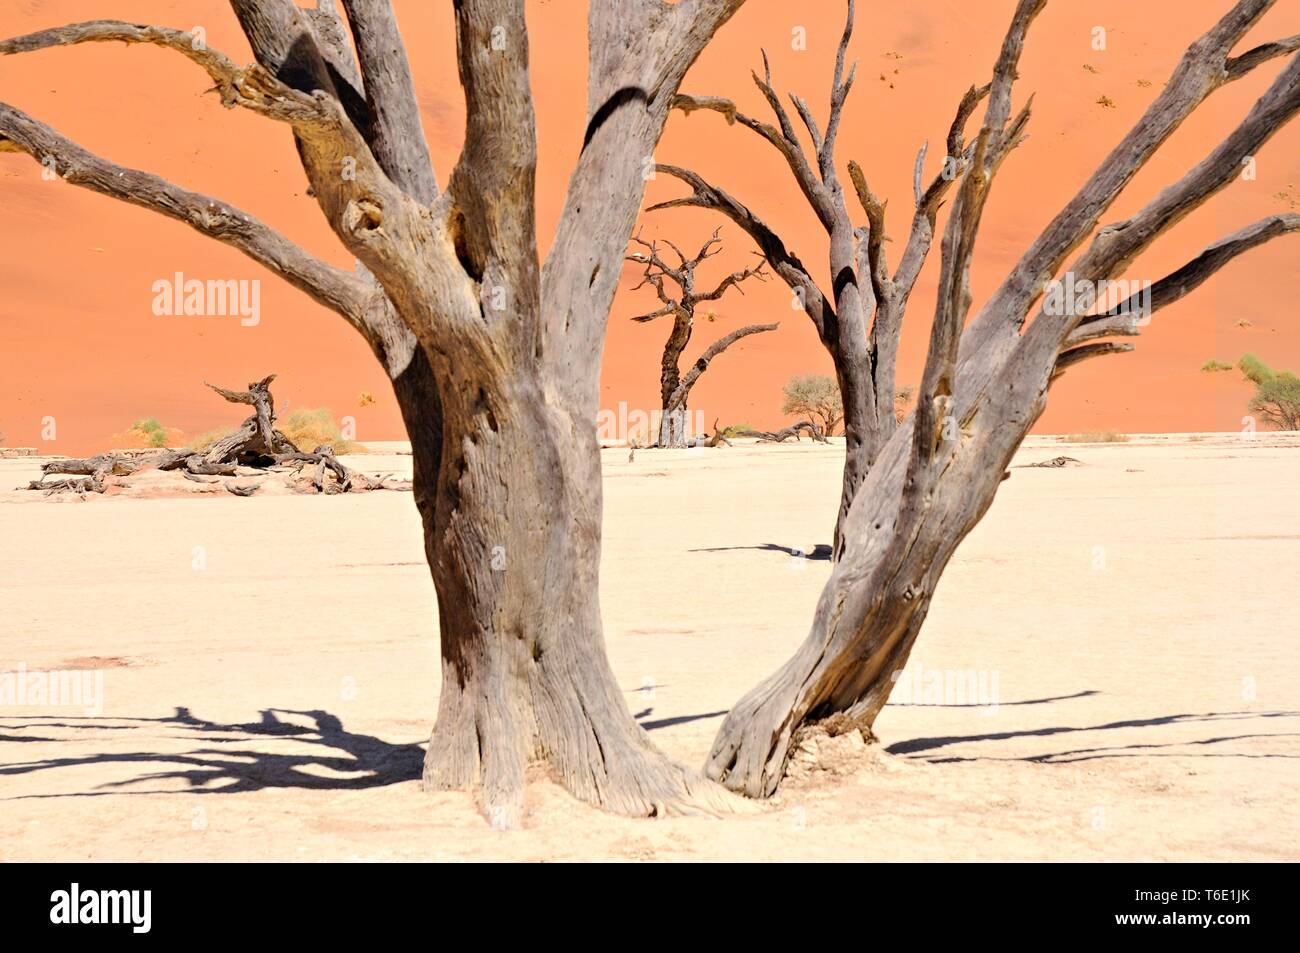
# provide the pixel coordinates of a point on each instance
(147, 433)
(306, 427)
(1095, 436)
(312, 427)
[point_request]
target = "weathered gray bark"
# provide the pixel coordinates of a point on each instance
(680, 305)
(860, 320)
(780, 436)
(494, 356)
(255, 444)
(936, 477)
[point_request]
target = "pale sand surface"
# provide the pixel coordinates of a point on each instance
(1139, 613)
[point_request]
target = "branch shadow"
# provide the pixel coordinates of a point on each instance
(1086, 693)
(222, 766)
(917, 746)
(670, 722)
(820, 552)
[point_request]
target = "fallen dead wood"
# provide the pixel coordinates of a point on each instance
(780, 436)
(1054, 463)
(718, 438)
(255, 448)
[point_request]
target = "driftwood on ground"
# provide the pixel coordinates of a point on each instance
(1054, 463)
(255, 448)
(784, 434)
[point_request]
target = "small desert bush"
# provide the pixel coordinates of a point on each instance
(145, 434)
(815, 397)
(1095, 436)
(1213, 365)
(737, 430)
(1277, 393)
(309, 428)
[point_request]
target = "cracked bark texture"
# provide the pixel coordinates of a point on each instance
(493, 354)
(986, 383)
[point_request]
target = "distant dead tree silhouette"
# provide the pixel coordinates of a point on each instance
(679, 303)
(495, 355)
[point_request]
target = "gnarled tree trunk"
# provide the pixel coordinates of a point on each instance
(985, 386)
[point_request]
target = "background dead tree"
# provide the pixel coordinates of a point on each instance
(494, 353)
(679, 303)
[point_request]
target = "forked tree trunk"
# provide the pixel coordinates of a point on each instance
(515, 564)
(867, 618)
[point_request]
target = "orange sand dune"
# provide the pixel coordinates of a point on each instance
(79, 341)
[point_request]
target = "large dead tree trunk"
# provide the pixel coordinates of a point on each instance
(680, 305)
(935, 478)
(494, 355)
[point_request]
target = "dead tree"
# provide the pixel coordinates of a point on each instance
(984, 384)
(780, 436)
(494, 354)
(680, 304)
(255, 445)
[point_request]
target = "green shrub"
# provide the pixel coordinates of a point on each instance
(1095, 436)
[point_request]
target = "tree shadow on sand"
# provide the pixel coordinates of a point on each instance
(226, 763)
(917, 747)
(821, 551)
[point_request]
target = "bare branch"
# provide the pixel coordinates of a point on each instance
(733, 280)
(713, 350)
(933, 437)
(638, 54)
(784, 262)
(396, 135)
(337, 289)
(783, 140)
(1086, 351)
(247, 86)
(1126, 317)
(1117, 245)
(1239, 66)
(493, 183)
(875, 248)
(1201, 70)
(840, 86)
(710, 247)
